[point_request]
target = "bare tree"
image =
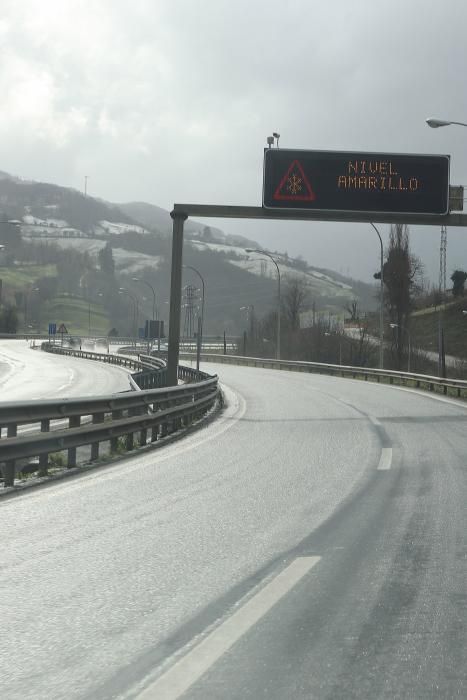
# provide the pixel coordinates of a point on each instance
(352, 308)
(294, 301)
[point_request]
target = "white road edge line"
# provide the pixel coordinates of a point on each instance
(385, 459)
(185, 672)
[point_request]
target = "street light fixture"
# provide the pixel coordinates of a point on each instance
(268, 255)
(396, 325)
(436, 123)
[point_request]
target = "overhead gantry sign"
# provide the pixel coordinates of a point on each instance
(330, 186)
(356, 182)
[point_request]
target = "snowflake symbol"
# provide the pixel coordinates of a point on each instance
(294, 184)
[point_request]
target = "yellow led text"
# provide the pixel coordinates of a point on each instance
(377, 175)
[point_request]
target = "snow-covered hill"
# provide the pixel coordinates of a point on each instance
(317, 282)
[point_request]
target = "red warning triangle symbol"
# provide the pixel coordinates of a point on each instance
(294, 186)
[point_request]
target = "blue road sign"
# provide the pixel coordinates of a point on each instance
(52, 328)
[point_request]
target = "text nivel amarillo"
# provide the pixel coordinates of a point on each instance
(375, 175)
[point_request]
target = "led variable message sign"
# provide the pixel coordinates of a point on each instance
(349, 181)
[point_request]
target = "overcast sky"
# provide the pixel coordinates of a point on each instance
(171, 101)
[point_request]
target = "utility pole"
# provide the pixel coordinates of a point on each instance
(86, 185)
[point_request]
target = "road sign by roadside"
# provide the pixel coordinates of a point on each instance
(62, 328)
(360, 182)
(52, 328)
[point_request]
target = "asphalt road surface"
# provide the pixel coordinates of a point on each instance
(309, 543)
(33, 374)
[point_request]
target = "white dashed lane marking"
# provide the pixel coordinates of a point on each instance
(185, 672)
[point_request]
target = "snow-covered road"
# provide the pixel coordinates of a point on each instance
(32, 374)
(108, 578)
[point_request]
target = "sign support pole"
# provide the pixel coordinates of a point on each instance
(175, 297)
(381, 302)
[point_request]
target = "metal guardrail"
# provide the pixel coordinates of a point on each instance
(108, 418)
(455, 387)
(215, 341)
(108, 358)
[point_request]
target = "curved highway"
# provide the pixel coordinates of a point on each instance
(309, 543)
(31, 374)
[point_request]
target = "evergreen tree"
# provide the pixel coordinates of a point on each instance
(458, 278)
(106, 260)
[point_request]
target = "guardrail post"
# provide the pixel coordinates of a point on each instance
(74, 422)
(44, 458)
(97, 418)
(116, 415)
(9, 469)
(129, 441)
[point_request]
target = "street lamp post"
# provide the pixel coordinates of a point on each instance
(436, 124)
(26, 305)
(250, 317)
(137, 279)
(250, 325)
(100, 294)
(381, 301)
(404, 330)
(268, 255)
(134, 299)
(340, 337)
(200, 322)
